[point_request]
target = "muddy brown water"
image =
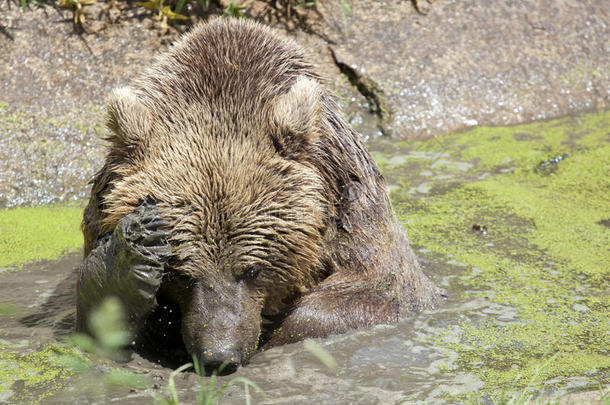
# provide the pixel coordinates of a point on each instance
(386, 364)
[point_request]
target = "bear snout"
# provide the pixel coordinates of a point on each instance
(220, 325)
(222, 361)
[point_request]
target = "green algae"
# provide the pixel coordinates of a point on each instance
(546, 251)
(29, 234)
(31, 377)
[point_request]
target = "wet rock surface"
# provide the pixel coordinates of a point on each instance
(53, 85)
(465, 63)
(395, 70)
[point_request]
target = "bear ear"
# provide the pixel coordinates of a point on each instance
(296, 114)
(127, 119)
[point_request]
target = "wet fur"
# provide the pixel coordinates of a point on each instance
(252, 164)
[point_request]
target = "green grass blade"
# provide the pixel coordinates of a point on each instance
(179, 6)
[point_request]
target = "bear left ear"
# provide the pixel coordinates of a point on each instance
(296, 114)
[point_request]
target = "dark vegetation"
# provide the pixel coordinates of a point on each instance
(169, 16)
(175, 16)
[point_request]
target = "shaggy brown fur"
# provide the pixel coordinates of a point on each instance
(273, 202)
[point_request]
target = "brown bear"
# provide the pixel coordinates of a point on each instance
(236, 190)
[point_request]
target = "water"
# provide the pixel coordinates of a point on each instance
(519, 251)
(386, 364)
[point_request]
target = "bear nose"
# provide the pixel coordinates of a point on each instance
(222, 361)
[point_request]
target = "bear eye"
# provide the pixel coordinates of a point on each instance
(251, 273)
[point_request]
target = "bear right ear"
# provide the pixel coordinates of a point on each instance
(127, 119)
(296, 115)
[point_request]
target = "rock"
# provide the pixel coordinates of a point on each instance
(466, 63)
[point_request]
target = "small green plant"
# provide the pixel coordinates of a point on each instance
(78, 7)
(345, 10)
(320, 353)
(164, 12)
(179, 6)
(305, 4)
(604, 396)
(24, 4)
(171, 397)
(234, 10)
(108, 328)
(208, 394)
(110, 336)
